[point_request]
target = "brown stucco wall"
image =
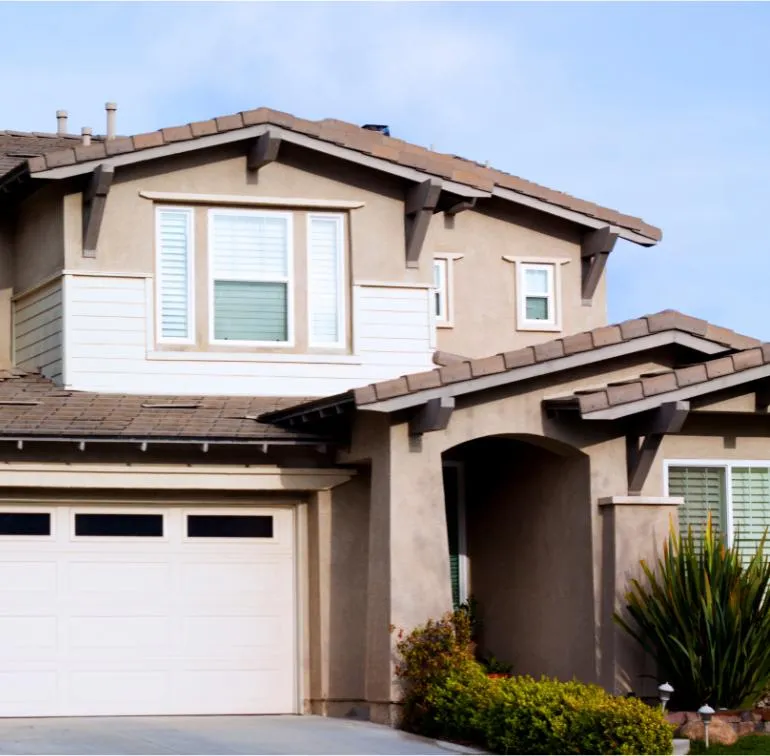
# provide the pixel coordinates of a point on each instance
(484, 290)
(38, 238)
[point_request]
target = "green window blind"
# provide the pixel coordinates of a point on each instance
(451, 503)
(250, 264)
(751, 506)
(174, 284)
(703, 489)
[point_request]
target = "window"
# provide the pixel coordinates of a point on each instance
(229, 526)
(174, 231)
(25, 523)
(250, 258)
(736, 494)
(454, 504)
(117, 525)
(537, 300)
(326, 295)
(441, 290)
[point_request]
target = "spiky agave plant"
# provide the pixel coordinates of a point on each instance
(703, 614)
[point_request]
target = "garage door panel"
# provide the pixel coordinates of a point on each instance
(111, 626)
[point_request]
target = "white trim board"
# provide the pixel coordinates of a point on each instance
(249, 199)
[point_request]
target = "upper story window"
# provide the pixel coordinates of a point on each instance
(261, 289)
(537, 294)
(251, 276)
(440, 291)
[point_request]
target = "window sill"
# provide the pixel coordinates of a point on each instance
(541, 327)
(444, 324)
(329, 359)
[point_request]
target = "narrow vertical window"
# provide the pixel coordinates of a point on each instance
(537, 300)
(326, 291)
(440, 290)
(251, 276)
(174, 234)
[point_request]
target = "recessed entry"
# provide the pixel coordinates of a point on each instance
(119, 525)
(25, 524)
(229, 526)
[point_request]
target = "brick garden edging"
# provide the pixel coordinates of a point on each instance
(743, 722)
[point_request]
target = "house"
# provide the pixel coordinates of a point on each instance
(272, 386)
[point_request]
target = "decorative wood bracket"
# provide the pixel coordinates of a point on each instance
(434, 415)
(595, 250)
(421, 203)
(459, 207)
(94, 200)
(263, 150)
(668, 418)
(762, 396)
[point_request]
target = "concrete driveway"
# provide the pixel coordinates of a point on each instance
(211, 735)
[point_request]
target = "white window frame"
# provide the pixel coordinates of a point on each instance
(727, 466)
(342, 287)
(523, 321)
(288, 279)
(190, 338)
(441, 292)
(446, 319)
(554, 324)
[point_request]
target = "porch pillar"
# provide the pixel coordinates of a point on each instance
(633, 528)
(408, 580)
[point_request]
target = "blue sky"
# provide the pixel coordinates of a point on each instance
(656, 109)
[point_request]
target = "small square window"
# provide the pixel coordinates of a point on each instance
(25, 524)
(229, 526)
(119, 525)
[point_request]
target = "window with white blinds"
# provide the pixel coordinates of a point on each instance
(703, 489)
(325, 271)
(250, 258)
(174, 239)
(737, 495)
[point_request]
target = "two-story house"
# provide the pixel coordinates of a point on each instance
(272, 386)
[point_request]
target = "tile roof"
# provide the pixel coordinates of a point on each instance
(354, 137)
(32, 406)
(462, 370)
(664, 381)
(18, 146)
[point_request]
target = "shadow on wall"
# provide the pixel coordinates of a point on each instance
(528, 518)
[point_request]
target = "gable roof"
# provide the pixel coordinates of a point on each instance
(460, 171)
(33, 407)
(649, 390)
(466, 376)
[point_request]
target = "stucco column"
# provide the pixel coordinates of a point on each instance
(633, 528)
(319, 568)
(408, 579)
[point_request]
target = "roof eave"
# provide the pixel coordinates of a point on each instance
(646, 237)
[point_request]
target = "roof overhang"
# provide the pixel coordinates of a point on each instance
(550, 367)
(460, 190)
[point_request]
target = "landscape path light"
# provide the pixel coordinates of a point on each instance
(706, 712)
(664, 693)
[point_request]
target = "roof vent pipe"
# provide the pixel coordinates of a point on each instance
(110, 107)
(86, 132)
(61, 122)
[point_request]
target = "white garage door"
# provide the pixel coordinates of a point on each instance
(107, 610)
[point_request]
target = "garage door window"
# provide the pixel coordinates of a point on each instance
(229, 526)
(25, 524)
(119, 525)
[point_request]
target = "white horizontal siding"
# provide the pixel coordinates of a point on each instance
(109, 334)
(37, 331)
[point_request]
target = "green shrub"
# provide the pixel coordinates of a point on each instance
(447, 694)
(703, 613)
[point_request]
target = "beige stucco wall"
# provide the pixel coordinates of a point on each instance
(484, 297)
(528, 515)
(38, 238)
(6, 291)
